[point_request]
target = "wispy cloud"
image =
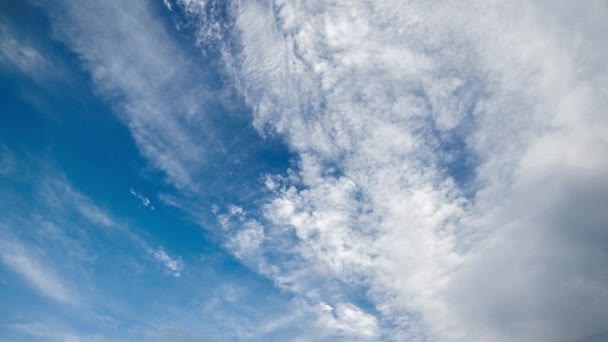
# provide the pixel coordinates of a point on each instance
(168, 5)
(39, 275)
(145, 201)
(174, 265)
(20, 55)
(348, 319)
(160, 95)
(58, 193)
(54, 238)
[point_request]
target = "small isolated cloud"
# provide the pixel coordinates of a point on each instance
(172, 264)
(145, 201)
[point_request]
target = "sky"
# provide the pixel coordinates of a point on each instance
(341, 170)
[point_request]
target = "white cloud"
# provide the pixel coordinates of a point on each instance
(235, 210)
(59, 194)
(172, 264)
(95, 214)
(39, 275)
(247, 239)
(145, 201)
(348, 319)
(22, 56)
(380, 101)
(168, 5)
(233, 218)
(50, 236)
(157, 90)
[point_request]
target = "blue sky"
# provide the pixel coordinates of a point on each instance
(185, 170)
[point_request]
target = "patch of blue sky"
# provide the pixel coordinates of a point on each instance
(456, 158)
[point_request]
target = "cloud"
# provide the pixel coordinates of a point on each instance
(247, 239)
(51, 235)
(437, 144)
(148, 79)
(168, 5)
(22, 56)
(235, 210)
(348, 319)
(172, 264)
(40, 276)
(59, 194)
(145, 201)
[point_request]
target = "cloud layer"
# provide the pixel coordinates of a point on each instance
(452, 161)
(450, 169)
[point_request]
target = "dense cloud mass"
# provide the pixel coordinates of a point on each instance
(452, 162)
(450, 159)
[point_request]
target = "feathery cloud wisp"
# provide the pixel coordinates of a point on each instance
(42, 277)
(173, 265)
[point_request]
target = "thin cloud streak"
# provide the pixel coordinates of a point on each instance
(173, 265)
(40, 276)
